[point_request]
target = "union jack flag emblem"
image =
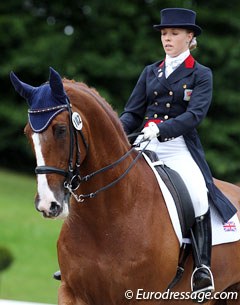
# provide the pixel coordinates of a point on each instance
(230, 226)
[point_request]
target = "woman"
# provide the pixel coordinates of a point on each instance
(170, 100)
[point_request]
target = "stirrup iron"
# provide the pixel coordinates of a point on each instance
(209, 288)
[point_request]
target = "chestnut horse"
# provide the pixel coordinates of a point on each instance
(117, 244)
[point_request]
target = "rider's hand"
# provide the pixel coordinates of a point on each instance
(151, 131)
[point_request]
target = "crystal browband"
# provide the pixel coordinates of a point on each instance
(32, 111)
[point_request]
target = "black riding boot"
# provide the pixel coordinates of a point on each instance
(57, 275)
(202, 279)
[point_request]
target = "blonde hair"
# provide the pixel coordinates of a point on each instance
(193, 44)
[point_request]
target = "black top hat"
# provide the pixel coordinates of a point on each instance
(178, 18)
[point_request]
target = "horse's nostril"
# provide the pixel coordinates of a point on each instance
(54, 207)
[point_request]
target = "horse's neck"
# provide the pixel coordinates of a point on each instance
(128, 196)
(131, 212)
(110, 155)
(127, 208)
(106, 144)
(110, 203)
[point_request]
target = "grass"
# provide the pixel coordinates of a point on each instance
(30, 238)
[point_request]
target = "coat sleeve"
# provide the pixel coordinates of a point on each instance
(134, 111)
(196, 111)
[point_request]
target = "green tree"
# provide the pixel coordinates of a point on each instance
(106, 44)
(220, 51)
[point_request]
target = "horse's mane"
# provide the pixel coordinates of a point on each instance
(112, 114)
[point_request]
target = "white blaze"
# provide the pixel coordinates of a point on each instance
(46, 196)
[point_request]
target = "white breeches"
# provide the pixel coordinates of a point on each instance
(176, 155)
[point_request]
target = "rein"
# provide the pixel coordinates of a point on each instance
(72, 175)
(82, 197)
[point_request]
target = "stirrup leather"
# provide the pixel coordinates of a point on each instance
(210, 288)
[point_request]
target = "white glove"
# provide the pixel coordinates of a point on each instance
(151, 131)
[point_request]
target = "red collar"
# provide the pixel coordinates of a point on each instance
(162, 63)
(189, 62)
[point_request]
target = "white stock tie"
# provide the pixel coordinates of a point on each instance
(171, 66)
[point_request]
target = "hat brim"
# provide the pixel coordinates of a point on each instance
(195, 28)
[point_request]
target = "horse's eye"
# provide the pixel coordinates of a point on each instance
(59, 131)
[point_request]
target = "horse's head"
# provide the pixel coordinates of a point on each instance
(52, 131)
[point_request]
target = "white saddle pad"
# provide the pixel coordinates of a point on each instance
(221, 232)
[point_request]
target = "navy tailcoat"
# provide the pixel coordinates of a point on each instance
(178, 105)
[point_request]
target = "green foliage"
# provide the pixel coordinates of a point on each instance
(6, 258)
(106, 44)
(31, 241)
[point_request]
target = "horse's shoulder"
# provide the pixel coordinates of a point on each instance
(232, 191)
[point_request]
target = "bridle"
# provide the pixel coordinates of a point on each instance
(72, 175)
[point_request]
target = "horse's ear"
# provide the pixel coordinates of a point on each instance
(55, 83)
(23, 89)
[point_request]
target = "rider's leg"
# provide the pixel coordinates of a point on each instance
(177, 157)
(202, 280)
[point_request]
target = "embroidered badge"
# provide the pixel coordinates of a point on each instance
(187, 95)
(230, 226)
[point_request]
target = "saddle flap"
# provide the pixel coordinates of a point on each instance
(179, 192)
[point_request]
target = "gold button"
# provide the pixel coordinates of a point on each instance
(170, 93)
(146, 117)
(168, 105)
(166, 117)
(156, 103)
(155, 93)
(155, 115)
(184, 86)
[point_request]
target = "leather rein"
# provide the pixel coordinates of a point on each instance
(72, 174)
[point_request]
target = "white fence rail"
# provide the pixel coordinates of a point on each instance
(10, 302)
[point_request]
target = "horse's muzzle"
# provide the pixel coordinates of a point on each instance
(54, 210)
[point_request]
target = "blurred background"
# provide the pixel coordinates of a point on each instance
(105, 44)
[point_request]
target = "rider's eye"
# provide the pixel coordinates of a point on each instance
(59, 131)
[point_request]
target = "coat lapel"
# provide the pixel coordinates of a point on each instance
(186, 68)
(159, 71)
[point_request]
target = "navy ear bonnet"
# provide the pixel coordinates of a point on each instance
(45, 101)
